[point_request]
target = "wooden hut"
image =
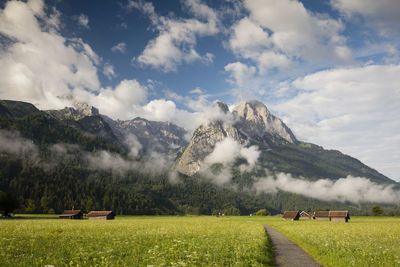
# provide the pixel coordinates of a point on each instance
(305, 215)
(71, 214)
(339, 215)
(291, 215)
(321, 216)
(101, 215)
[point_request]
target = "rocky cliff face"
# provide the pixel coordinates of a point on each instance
(252, 122)
(259, 124)
(162, 137)
(77, 112)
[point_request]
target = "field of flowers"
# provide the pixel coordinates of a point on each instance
(364, 241)
(134, 241)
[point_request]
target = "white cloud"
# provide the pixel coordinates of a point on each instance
(382, 15)
(13, 143)
(108, 71)
(197, 90)
(83, 20)
(240, 73)
(177, 38)
(228, 150)
(269, 60)
(354, 110)
(41, 64)
(120, 47)
(248, 38)
(278, 33)
(353, 189)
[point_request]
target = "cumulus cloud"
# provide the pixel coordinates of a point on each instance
(40, 64)
(352, 189)
(382, 15)
(108, 71)
(120, 47)
(240, 73)
(354, 110)
(83, 20)
(177, 37)
(278, 34)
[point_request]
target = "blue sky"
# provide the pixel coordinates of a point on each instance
(330, 69)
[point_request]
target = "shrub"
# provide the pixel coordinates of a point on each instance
(262, 212)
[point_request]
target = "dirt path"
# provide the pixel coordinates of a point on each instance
(286, 252)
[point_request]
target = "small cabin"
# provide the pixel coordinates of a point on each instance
(291, 215)
(339, 216)
(71, 214)
(321, 216)
(101, 215)
(305, 215)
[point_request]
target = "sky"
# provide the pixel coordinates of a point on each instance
(329, 69)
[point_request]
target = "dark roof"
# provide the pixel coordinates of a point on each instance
(304, 214)
(321, 214)
(290, 214)
(339, 213)
(99, 213)
(70, 212)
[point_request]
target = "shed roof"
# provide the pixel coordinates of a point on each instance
(290, 214)
(339, 213)
(321, 214)
(99, 213)
(71, 212)
(304, 214)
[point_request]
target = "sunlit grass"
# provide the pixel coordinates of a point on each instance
(134, 241)
(364, 241)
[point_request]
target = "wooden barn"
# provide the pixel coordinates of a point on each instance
(101, 215)
(339, 215)
(305, 215)
(71, 214)
(291, 215)
(321, 216)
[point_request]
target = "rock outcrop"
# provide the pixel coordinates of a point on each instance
(252, 122)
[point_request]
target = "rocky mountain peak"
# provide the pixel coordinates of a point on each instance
(252, 110)
(222, 106)
(257, 121)
(85, 109)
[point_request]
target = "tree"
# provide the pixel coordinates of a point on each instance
(262, 212)
(377, 210)
(8, 203)
(30, 206)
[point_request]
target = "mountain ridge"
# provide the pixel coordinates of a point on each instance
(78, 161)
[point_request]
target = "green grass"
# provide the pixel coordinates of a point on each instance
(134, 241)
(364, 241)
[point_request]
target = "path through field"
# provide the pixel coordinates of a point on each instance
(286, 252)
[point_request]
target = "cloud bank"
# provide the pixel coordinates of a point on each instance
(349, 189)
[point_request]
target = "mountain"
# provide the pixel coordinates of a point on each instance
(253, 124)
(76, 156)
(151, 136)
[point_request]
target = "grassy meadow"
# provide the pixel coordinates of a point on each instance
(134, 241)
(193, 241)
(364, 241)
